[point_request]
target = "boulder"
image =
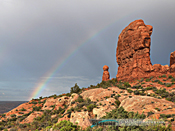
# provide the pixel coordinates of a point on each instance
(82, 118)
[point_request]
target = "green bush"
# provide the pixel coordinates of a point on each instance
(157, 109)
(170, 77)
(164, 76)
(34, 102)
(75, 89)
(13, 115)
(136, 92)
(150, 113)
(129, 90)
(126, 84)
(65, 126)
(90, 107)
(80, 99)
(149, 88)
(147, 80)
(117, 102)
(36, 108)
(173, 79)
(23, 109)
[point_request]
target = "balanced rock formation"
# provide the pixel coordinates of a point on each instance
(106, 75)
(133, 53)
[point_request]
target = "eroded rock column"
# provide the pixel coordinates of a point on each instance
(106, 75)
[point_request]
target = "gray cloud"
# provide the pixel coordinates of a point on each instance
(80, 35)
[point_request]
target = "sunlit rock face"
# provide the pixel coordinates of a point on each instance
(133, 53)
(106, 75)
(172, 62)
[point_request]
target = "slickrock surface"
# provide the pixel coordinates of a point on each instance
(58, 102)
(31, 117)
(96, 94)
(106, 106)
(133, 53)
(106, 75)
(146, 104)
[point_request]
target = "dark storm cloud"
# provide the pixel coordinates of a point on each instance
(35, 35)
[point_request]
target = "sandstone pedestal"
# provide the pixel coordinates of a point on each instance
(106, 75)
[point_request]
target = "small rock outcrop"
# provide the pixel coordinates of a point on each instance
(133, 53)
(106, 75)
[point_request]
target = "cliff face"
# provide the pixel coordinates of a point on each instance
(133, 53)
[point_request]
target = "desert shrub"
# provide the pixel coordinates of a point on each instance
(120, 86)
(80, 99)
(38, 118)
(161, 83)
(126, 84)
(73, 102)
(120, 113)
(147, 80)
(22, 125)
(23, 109)
(151, 77)
(156, 80)
(80, 105)
(136, 86)
(162, 116)
(88, 100)
(62, 111)
(36, 108)
(27, 114)
(149, 88)
(168, 84)
(65, 126)
(13, 115)
(164, 76)
(136, 92)
(157, 109)
(117, 102)
(90, 107)
(112, 95)
(129, 90)
(173, 79)
(142, 79)
(34, 102)
(75, 89)
(154, 89)
(150, 113)
(22, 118)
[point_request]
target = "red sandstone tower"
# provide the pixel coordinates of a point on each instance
(106, 75)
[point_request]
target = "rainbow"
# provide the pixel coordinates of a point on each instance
(59, 64)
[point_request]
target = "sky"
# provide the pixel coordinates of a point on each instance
(48, 46)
